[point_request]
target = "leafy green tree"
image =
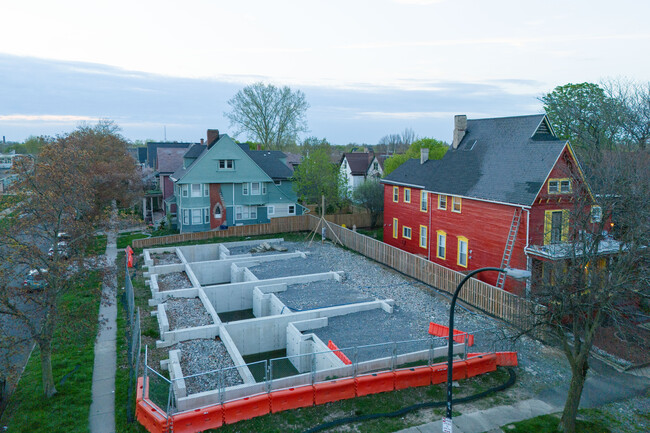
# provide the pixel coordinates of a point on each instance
(317, 176)
(370, 195)
(313, 143)
(273, 116)
(437, 150)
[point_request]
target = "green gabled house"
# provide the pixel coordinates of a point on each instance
(224, 184)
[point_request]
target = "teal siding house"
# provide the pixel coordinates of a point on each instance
(224, 184)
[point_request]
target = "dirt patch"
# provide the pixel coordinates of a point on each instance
(174, 281)
(629, 344)
(165, 259)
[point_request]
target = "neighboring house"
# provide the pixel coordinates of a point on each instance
(139, 154)
(500, 197)
(357, 167)
(153, 146)
(168, 160)
(226, 184)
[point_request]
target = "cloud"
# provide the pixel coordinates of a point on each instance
(49, 118)
(413, 115)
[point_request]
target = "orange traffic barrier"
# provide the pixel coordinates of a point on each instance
(413, 377)
(504, 359)
(246, 408)
(443, 331)
(151, 417)
(334, 390)
(292, 398)
(481, 364)
(375, 383)
(198, 420)
(438, 374)
(333, 347)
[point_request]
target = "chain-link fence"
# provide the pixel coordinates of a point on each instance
(232, 383)
(133, 338)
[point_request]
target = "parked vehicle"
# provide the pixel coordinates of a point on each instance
(35, 279)
(61, 248)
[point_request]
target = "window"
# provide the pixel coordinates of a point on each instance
(217, 211)
(395, 194)
(197, 216)
(455, 204)
(375, 165)
(186, 217)
(442, 202)
(596, 214)
(238, 212)
(226, 164)
(407, 195)
(559, 186)
(395, 228)
(423, 236)
(277, 182)
(406, 232)
(206, 215)
(556, 226)
(244, 189)
(462, 251)
(196, 190)
(264, 188)
(292, 209)
(424, 205)
(270, 210)
(252, 212)
(441, 251)
(206, 190)
(345, 164)
(255, 188)
(184, 190)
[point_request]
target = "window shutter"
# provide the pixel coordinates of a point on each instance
(547, 227)
(565, 225)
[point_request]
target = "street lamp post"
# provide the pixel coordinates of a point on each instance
(517, 274)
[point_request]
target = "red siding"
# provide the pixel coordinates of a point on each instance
(407, 214)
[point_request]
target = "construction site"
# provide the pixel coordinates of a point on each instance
(255, 327)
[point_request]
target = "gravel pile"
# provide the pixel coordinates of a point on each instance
(203, 355)
(250, 249)
(320, 294)
(186, 313)
(165, 259)
(174, 281)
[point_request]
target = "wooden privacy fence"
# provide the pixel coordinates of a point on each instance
(277, 225)
(491, 299)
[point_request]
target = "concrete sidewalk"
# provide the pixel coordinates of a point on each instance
(102, 408)
(489, 420)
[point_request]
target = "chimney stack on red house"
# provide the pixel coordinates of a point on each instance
(424, 155)
(213, 137)
(460, 126)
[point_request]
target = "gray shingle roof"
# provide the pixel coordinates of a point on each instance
(499, 159)
(170, 158)
(359, 162)
(271, 162)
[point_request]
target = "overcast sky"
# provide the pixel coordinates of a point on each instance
(368, 68)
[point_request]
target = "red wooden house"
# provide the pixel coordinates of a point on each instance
(499, 197)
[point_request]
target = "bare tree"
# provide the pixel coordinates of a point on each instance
(595, 277)
(634, 99)
(270, 115)
(67, 190)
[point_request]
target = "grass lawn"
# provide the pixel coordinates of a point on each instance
(97, 246)
(377, 233)
(9, 200)
(549, 423)
(126, 239)
(72, 364)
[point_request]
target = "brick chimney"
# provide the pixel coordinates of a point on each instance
(201, 142)
(213, 137)
(259, 146)
(424, 155)
(460, 126)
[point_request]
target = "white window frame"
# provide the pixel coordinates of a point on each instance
(186, 217)
(407, 232)
(197, 217)
(206, 215)
(253, 184)
(226, 164)
(252, 212)
(289, 209)
(424, 201)
(463, 241)
(206, 190)
(596, 214)
(185, 190)
(263, 188)
(277, 182)
(245, 188)
(270, 210)
(199, 190)
(423, 236)
(239, 213)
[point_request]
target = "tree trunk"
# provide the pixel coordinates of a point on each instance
(46, 367)
(579, 374)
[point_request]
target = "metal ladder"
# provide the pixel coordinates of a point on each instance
(510, 244)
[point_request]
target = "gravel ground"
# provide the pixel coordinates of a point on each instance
(165, 259)
(629, 416)
(247, 250)
(173, 281)
(186, 313)
(203, 355)
(320, 294)
(289, 268)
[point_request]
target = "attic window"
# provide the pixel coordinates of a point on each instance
(543, 128)
(226, 164)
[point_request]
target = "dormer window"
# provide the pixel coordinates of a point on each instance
(559, 186)
(226, 164)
